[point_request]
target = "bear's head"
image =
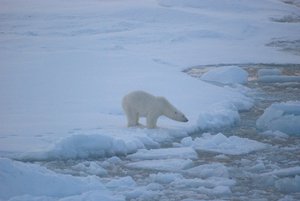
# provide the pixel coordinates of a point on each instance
(179, 116)
(170, 111)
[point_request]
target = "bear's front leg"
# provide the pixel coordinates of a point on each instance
(132, 119)
(151, 121)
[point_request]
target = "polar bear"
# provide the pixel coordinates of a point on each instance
(142, 104)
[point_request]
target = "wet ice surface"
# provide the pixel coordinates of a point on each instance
(284, 152)
(178, 172)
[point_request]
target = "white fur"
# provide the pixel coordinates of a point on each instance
(141, 104)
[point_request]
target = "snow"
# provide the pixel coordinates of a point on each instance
(109, 142)
(68, 57)
(66, 65)
(283, 117)
(226, 75)
(219, 143)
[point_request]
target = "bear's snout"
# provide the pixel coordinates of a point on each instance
(184, 119)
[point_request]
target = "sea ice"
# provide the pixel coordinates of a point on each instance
(226, 75)
(206, 186)
(89, 168)
(276, 134)
(181, 152)
(218, 190)
(121, 183)
(286, 180)
(74, 63)
(218, 115)
(268, 72)
(283, 117)
(165, 178)
(275, 75)
(18, 179)
(279, 78)
(102, 143)
(288, 185)
(209, 170)
(173, 164)
(82, 146)
(219, 143)
(291, 171)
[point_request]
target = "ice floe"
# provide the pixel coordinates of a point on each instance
(219, 143)
(89, 168)
(165, 178)
(283, 117)
(172, 164)
(286, 180)
(226, 75)
(291, 171)
(182, 152)
(209, 170)
(288, 185)
(218, 116)
(275, 75)
(20, 179)
(101, 143)
(276, 134)
(213, 185)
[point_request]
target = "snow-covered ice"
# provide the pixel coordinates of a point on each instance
(18, 179)
(217, 116)
(283, 117)
(226, 75)
(219, 143)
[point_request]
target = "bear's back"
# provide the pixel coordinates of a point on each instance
(140, 101)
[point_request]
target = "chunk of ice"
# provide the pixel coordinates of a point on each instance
(182, 152)
(232, 145)
(226, 75)
(283, 117)
(165, 165)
